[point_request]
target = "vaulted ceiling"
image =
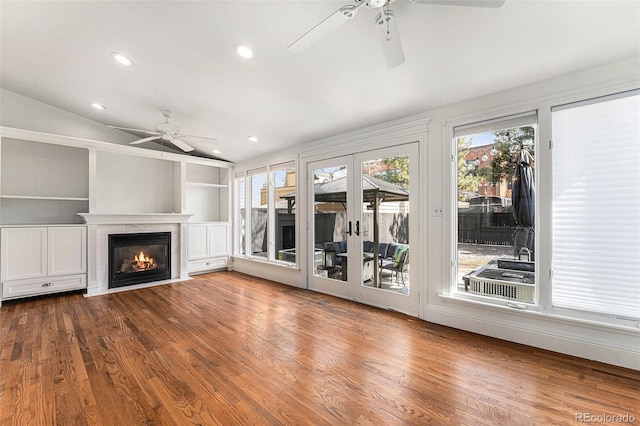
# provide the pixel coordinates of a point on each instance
(59, 52)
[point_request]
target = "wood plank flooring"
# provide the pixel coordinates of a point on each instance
(226, 349)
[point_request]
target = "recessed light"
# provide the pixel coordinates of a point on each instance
(98, 106)
(122, 59)
(244, 51)
(216, 151)
(252, 139)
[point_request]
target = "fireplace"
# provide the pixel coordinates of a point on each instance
(139, 258)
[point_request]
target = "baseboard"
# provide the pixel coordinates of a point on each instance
(578, 346)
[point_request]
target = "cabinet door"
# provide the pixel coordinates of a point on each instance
(219, 236)
(24, 253)
(67, 250)
(198, 241)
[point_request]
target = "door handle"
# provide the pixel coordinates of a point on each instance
(349, 230)
(357, 227)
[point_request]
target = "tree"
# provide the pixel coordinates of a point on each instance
(508, 144)
(397, 170)
(468, 179)
(393, 169)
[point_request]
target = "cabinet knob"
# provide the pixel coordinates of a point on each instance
(47, 284)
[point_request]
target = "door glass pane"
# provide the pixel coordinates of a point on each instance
(259, 217)
(384, 230)
(330, 222)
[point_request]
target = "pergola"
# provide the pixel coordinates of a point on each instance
(374, 192)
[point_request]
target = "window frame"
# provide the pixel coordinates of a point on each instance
(269, 171)
(569, 106)
(492, 123)
(543, 147)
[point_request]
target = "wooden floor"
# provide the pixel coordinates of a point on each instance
(226, 348)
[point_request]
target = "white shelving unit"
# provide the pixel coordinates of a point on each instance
(209, 229)
(42, 183)
(47, 180)
(207, 193)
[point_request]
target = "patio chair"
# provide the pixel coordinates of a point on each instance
(397, 266)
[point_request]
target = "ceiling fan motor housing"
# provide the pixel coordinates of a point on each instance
(376, 4)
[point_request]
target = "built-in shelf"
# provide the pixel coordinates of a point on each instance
(207, 185)
(56, 180)
(31, 197)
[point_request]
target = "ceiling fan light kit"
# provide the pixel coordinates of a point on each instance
(386, 25)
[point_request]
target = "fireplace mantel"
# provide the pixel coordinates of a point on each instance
(133, 218)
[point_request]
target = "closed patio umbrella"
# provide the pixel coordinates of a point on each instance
(523, 197)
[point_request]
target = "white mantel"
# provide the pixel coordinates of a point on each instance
(100, 225)
(133, 218)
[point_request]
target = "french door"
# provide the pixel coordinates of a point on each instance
(361, 239)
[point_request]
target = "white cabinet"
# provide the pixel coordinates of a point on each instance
(67, 248)
(208, 246)
(23, 253)
(41, 260)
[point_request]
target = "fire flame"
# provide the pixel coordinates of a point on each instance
(142, 259)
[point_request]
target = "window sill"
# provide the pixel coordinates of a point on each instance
(552, 314)
(262, 261)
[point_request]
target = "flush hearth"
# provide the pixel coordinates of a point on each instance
(139, 258)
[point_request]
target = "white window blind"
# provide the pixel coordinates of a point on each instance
(596, 206)
(516, 120)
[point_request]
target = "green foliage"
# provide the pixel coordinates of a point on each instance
(468, 178)
(508, 144)
(393, 169)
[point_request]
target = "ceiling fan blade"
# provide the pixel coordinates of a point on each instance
(134, 130)
(387, 29)
(467, 3)
(198, 137)
(182, 145)
(329, 24)
(143, 140)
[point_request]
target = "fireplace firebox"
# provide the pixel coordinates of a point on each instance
(139, 258)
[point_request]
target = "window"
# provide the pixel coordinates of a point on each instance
(259, 219)
(596, 206)
(284, 179)
(495, 186)
(241, 243)
(271, 225)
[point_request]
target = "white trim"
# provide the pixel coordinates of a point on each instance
(596, 100)
(618, 347)
(133, 218)
(10, 132)
(275, 271)
(135, 287)
(396, 132)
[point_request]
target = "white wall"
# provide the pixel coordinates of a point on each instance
(123, 177)
(581, 338)
(589, 339)
(21, 112)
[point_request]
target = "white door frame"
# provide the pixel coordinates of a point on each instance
(353, 289)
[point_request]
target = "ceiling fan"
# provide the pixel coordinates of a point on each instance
(386, 24)
(165, 132)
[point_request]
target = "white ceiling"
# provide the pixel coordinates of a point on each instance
(58, 52)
